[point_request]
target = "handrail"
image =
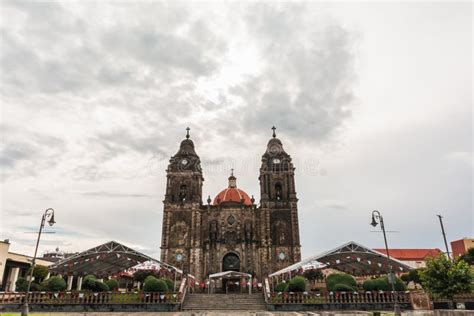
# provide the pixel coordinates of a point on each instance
(266, 290)
(183, 289)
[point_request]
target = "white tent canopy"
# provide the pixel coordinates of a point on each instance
(229, 274)
(352, 258)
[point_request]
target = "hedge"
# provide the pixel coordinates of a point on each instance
(155, 285)
(56, 283)
(281, 287)
(343, 288)
(112, 284)
(340, 278)
(297, 284)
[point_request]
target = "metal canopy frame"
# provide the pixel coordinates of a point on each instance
(230, 274)
(104, 260)
(352, 258)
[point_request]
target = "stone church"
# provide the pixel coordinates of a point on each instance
(232, 231)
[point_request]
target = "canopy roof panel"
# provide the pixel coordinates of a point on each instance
(229, 274)
(352, 258)
(104, 260)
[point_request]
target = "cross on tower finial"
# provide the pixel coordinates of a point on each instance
(187, 132)
(232, 172)
(274, 134)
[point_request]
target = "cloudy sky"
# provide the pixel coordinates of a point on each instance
(372, 100)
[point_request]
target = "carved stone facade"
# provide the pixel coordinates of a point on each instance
(232, 232)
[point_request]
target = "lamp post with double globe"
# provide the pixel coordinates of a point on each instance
(376, 219)
(48, 214)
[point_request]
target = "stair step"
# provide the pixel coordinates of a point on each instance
(221, 301)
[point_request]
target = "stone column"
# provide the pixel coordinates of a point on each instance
(13, 277)
(79, 283)
(48, 275)
(70, 278)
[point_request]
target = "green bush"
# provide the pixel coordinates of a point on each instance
(281, 287)
(340, 278)
(21, 284)
(112, 284)
(382, 284)
(169, 283)
(100, 287)
(149, 277)
(155, 285)
(88, 283)
(297, 284)
(343, 288)
(369, 285)
(56, 283)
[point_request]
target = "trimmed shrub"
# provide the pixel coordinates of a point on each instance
(21, 285)
(340, 278)
(155, 285)
(281, 287)
(100, 287)
(149, 277)
(56, 283)
(343, 288)
(382, 284)
(88, 283)
(297, 284)
(112, 284)
(169, 283)
(368, 285)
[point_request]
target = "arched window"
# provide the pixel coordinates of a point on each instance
(183, 192)
(278, 191)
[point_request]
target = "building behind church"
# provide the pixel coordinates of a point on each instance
(230, 232)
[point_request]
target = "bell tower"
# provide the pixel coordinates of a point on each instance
(280, 239)
(180, 242)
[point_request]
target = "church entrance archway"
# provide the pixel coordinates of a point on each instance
(231, 262)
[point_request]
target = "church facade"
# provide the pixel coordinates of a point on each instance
(230, 232)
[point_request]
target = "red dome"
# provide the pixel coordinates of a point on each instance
(232, 194)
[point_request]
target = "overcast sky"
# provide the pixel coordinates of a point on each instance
(372, 100)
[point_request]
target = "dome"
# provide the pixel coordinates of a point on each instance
(232, 194)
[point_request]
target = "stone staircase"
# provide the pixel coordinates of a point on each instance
(203, 302)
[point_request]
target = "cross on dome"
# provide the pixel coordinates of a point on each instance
(187, 132)
(274, 134)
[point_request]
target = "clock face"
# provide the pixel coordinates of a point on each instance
(276, 160)
(184, 162)
(179, 257)
(281, 255)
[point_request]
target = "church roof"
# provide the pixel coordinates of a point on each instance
(232, 194)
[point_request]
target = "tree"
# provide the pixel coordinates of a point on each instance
(412, 276)
(444, 278)
(39, 273)
(469, 256)
(313, 274)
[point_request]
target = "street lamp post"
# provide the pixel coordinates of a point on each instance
(49, 213)
(376, 216)
(444, 235)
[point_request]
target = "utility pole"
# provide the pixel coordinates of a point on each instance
(444, 235)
